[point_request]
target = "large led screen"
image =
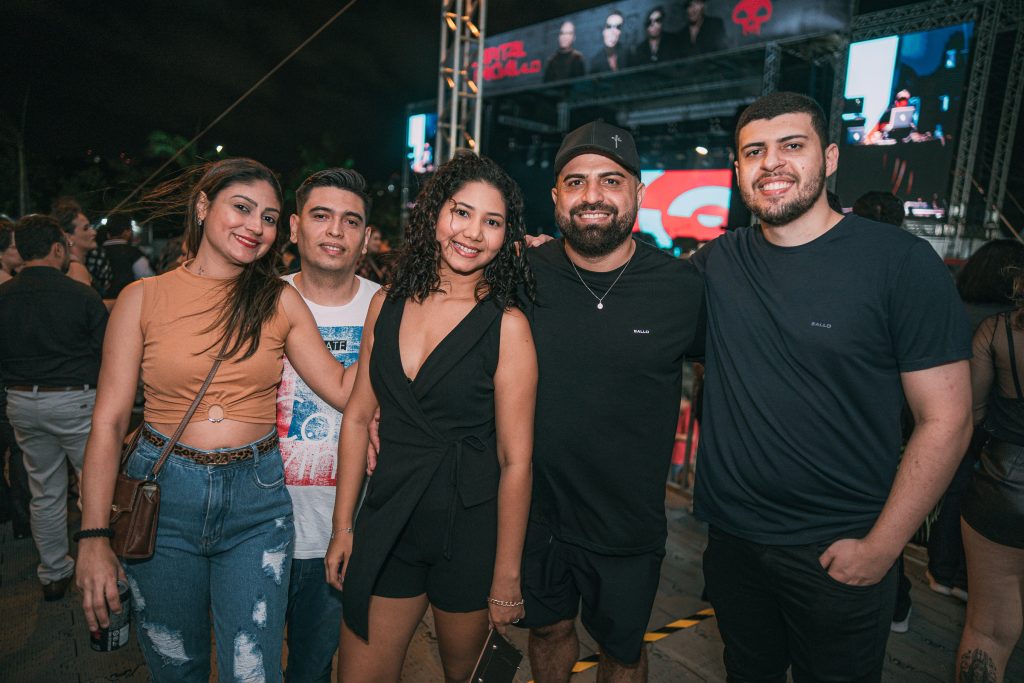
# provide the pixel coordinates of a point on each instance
(901, 117)
(422, 130)
(684, 204)
(636, 33)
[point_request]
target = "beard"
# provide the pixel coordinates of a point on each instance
(596, 240)
(782, 213)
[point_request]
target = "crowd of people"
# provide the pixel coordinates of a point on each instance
(515, 400)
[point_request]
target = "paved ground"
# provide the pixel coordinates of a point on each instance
(48, 642)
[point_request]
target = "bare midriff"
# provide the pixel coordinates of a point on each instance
(210, 436)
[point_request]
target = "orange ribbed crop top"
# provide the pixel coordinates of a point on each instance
(176, 308)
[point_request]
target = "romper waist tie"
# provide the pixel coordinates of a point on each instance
(475, 480)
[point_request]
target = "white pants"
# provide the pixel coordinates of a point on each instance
(51, 427)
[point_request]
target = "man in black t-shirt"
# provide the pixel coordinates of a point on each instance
(127, 262)
(612, 321)
(818, 326)
(50, 348)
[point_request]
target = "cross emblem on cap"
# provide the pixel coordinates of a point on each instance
(616, 139)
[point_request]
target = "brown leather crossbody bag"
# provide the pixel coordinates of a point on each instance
(136, 506)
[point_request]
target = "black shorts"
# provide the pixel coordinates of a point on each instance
(417, 565)
(617, 591)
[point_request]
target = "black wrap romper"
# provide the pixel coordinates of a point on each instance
(431, 504)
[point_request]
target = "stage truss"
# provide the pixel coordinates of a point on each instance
(459, 85)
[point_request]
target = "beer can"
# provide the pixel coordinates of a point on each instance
(116, 634)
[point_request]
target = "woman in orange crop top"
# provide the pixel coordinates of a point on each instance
(225, 529)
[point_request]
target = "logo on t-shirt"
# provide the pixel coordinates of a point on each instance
(827, 326)
(308, 427)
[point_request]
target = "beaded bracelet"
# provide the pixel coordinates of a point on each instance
(346, 530)
(105, 532)
(505, 603)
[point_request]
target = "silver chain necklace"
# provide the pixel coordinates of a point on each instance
(600, 299)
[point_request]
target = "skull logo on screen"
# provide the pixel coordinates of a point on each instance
(750, 14)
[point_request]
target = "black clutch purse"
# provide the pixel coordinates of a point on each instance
(498, 662)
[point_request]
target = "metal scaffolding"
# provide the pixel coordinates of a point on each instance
(974, 101)
(772, 68)
(1013, 14)
(460, 77)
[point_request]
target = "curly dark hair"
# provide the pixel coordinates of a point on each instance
(417, 268)
(989, 274)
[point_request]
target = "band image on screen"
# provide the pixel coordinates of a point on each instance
(684, 205)
(422, 130)
(901, 117)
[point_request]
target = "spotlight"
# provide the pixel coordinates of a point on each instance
(701, 150)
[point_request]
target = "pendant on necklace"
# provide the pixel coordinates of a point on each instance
(600, 305)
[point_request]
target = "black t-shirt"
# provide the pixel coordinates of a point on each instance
(608, 396)
(800, 435)
(53, 329)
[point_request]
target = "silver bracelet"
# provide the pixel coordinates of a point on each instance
(505, 603)
(346, 530)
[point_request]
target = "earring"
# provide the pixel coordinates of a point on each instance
(200, 222)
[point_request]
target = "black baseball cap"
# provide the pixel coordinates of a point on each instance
(598, 137)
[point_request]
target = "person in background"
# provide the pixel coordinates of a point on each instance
(985, 284)
(14, 490)
(993, 505)
(880, 206)
(329, 229)
(81, 242)
(10, 259)
(53, 330)
(172, 255)
(372, 266)
(127, 262)
(225, 533)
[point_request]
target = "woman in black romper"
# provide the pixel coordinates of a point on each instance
(449, 359)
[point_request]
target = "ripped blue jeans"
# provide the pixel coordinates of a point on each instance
(224, 548)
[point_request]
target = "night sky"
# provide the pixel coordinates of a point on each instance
(101, 75)
(95, 78)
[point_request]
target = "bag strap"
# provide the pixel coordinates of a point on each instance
(184, 421)
(1013, 358)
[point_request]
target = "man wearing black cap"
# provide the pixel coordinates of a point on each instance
(613, 319)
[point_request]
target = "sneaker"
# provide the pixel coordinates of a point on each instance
(937, 587)
(901, 626)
